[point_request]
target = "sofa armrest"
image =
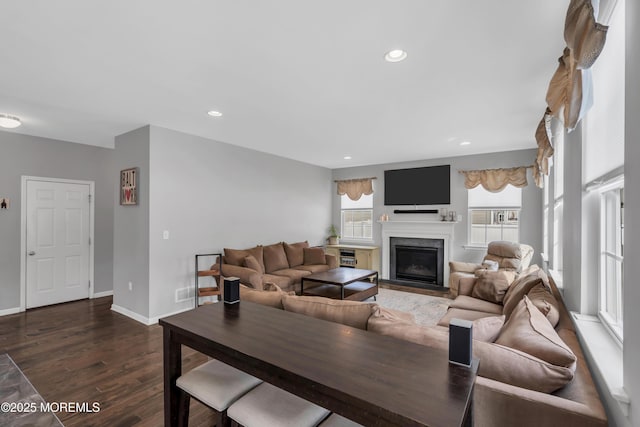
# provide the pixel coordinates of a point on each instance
(246, 275)
(463, 267)
(331, 260)
(503, 405)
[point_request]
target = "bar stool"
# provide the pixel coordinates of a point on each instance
(215, 384)
(336, 420)
(269, 406)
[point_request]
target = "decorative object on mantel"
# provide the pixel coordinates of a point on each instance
(355, 188)
(129, 186)
(444, 214)
(384, 217)
(495, 180)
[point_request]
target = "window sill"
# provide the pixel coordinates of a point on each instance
(605, 353)
(475, 247)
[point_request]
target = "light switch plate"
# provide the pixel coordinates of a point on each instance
(165, 234)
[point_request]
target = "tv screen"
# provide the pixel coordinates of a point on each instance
(418, 186)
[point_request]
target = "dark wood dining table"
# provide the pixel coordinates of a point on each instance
(372, 379)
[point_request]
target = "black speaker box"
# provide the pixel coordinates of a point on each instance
(231, 292)
(460, 342)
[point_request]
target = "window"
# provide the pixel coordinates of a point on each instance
(494, 216)
(611, 257)
(545, 217)
(357, 217)
(558, 203)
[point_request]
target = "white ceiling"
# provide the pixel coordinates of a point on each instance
(303, 80)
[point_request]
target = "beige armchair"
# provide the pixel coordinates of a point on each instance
(508, 255)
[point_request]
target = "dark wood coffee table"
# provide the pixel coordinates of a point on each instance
(342, 283)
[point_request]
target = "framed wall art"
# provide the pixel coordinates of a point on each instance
(129, 186)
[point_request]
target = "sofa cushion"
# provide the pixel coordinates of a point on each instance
(542, 298)
(492, 285)
(487, 329)
(271, 296)
(520, 287)
(316, 268)
(384, 316)
(350, 313)
(497, 362)
(529, 330)
(469, 303)
(295, 253)
(285, 283)
(292, 273)
(314, 256)
(237, 256)
(275, 258)
(457, 313)
(251, 262)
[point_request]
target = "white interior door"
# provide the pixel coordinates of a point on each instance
(57, 242)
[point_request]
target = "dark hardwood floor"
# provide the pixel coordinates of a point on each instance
(83, 352)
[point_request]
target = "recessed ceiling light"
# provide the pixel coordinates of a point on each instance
(214, 113)
(465, 143)
(9, 122)
(347, 157)
(395, 55)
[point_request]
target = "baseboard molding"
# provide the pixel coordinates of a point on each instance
(8, 311)
(131, 314)
(142, 319)
(102, 294)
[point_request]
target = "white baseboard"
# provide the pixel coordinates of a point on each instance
(102, 294)
(8, 311)
(131, 314)
(142, 319)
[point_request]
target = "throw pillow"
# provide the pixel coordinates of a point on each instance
(314, 256)
(528, 330)
(252, 263)
(295, 253)
(520, 287)
(487, 329)
(236, 256)
(490, 285)
(350, 313)
(542, 298)
(275, 258)
(490, 265)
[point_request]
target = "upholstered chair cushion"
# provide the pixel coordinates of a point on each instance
(275, 258)
(492, 285)
(252, 263)
(529, 330)
(314, 256)
(237, 256)
(509, 255)
(295, 253)
(542, 298)
(269, 406)
(487, 329)
(350, 313)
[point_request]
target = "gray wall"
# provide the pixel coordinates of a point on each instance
(35, 156)
(632, 212)
(208, 195)
(131, 226)
(531, 215)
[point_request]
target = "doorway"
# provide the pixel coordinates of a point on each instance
(57, 226)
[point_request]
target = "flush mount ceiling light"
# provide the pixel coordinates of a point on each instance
(214, 113)
(347, 157)
(9, 122)
(395, 55)
(465, 143)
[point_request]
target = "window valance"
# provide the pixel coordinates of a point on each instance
(495, 180)
(355, 188)
(545, 148)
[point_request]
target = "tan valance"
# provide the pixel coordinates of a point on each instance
(355, 188)
(495, 180)
(545, 148)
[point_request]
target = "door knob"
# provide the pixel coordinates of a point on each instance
(32, 253)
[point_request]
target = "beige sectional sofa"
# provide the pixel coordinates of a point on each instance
(283, 264)
(531, 373)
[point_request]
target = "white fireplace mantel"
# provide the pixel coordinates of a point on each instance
(417, 229)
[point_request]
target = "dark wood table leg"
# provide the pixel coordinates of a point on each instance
(172, 361)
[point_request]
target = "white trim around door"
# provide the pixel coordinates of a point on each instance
(23, 231)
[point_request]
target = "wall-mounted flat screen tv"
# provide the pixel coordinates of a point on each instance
(418, 186)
